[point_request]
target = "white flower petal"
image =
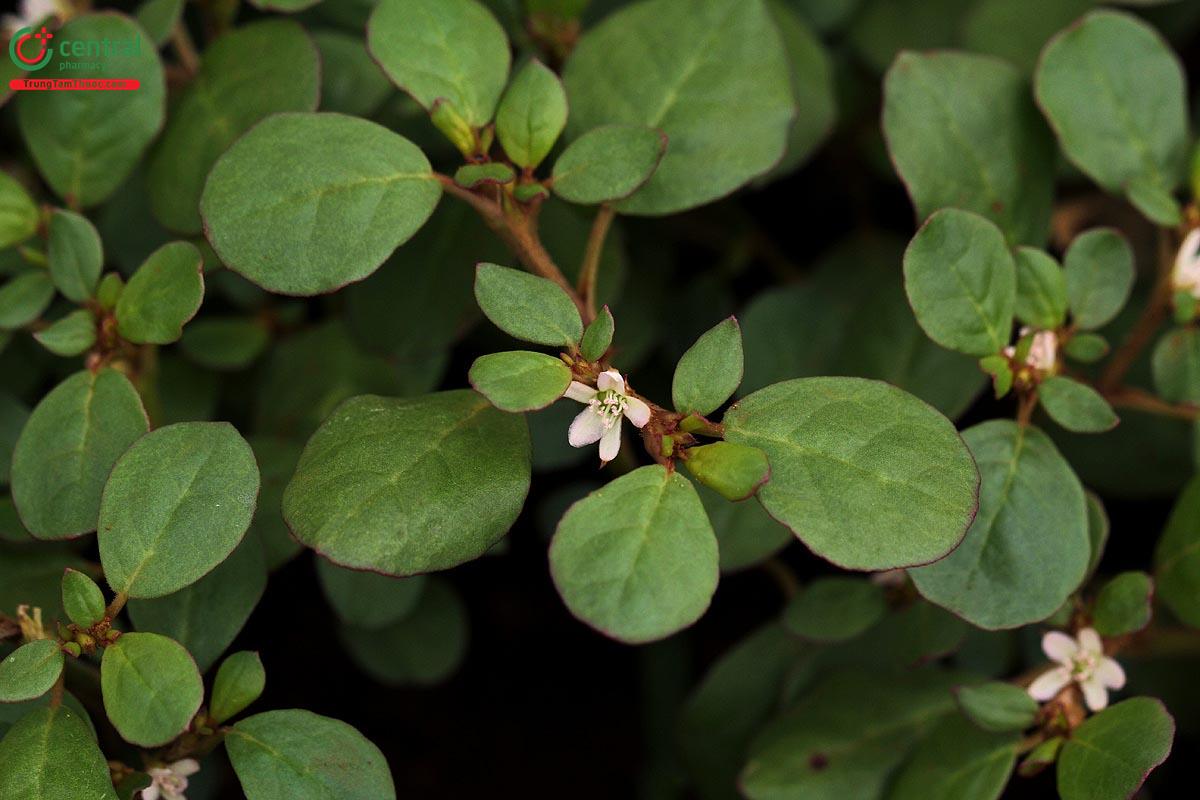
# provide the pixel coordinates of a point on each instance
(611, 379)
(186, 767)
(1094, 694)
(1089, 641)
(587, 428)
(580, 392)
(1043, 350)
(1109, 673)
(150, 792)
(610, 443)
(1059, 647)
(1049, 683)
(637, 412)
(1187, 251)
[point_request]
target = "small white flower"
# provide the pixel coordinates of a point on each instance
(1186, 275)
(600, 422)
(1043, 350)
(1081, 660)
(31, 13)
(171, 781)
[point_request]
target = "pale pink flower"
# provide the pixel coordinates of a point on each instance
(600, 422)
(1186, 275)
(171, 781)
(1043, 350)
(1082, 660)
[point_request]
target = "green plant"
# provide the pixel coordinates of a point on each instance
(285, 182)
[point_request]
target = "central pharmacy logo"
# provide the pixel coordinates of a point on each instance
(20, 45)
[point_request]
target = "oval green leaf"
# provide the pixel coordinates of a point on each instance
(452, 50)
(422, 649)
(18, 212)
(245, 75)
(82, 599)
(24, 298)
(1028, 548)
(70, 336)
(961, 282)
(86, 143)
(51, 754)
(735, 698)
(30, 671)
(520, 380)
(68, 447)
(164, 293)
(303, 204)
(637, 559)
(75, 255)
(407, 485)
(846, 737)
(598, 336)
(176, 505)
(1114, 93)
(1076, 406)
(351, 82)
(1115, 750)
(367, 600)
(851, 501)
(1176, 366)
(956, 761)
(239, 682)
(1041, 289)
(1124, 605)
(208, 615)
(532, 114)
(835, 609)
(527, 306)
(710, 371)
(226, 344)
(298, 755)
(608, 163)
(151, 688)
(997, 707)
(1177, 557)
(1099, 272)
(963, 132)
(711, 74)
(746, 534)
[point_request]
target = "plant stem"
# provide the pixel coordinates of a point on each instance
(56, 691)
(181, 40)
(784, 578)
(1140, 399)
(1147, 324)
(1025, 407)
(518, 231)
(590, 270)
(116, 605)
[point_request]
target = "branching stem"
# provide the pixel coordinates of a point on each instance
(1147, 324)
(116, 605)
(590, 270)
(519, 231)
(1141, 400)
(181, 40)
